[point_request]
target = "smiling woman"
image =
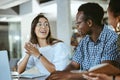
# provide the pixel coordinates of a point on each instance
(43, 51)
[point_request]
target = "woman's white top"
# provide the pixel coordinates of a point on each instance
(57, 54)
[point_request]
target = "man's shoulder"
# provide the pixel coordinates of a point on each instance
(85, 39)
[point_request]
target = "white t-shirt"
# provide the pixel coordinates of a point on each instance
(57, 54)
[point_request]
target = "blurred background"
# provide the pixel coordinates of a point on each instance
(16, 17)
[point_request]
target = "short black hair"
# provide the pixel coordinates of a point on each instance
(92, 11)
(114, 6)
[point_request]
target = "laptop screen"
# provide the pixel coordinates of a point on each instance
(4, 66)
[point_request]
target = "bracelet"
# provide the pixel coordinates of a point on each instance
(113, 78)
(39, 56)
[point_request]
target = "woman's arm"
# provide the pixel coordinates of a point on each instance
(23, 63)
(33, 50)
(117, 77)
(49, 66)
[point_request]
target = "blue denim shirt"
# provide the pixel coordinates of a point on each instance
(89, 53)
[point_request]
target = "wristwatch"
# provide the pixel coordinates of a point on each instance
(39, 56)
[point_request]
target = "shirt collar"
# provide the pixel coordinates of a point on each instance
(101, 36)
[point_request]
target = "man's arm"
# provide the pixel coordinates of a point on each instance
(67, 74)
(72, 66)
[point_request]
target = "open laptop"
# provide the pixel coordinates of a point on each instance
(5, 73)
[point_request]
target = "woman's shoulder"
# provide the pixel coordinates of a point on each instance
(59, 44)
(109, 30)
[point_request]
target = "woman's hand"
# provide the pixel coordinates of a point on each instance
(31, 49)
(95, 76)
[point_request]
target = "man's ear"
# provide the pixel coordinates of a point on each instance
(89, 22)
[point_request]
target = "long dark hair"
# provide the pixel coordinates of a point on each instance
(33, 38)
(114, 6)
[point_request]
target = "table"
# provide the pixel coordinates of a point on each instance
(39, 78)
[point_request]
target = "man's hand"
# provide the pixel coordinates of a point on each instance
(60, 75)
(95, 76)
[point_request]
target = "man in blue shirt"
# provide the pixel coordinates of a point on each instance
(90, 53)
(98, 46)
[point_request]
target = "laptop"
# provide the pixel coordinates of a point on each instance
(5, 73)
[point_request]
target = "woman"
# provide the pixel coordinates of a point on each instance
(43, 51)
(114, 20)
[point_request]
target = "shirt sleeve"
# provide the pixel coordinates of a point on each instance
(78, 55)
(61, 56)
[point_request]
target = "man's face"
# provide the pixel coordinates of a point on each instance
(82, 25)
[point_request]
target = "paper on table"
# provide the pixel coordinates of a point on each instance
(105, 68)
(31, 73)
(14, 74)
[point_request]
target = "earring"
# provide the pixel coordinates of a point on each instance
(118, 26)
(89, 26)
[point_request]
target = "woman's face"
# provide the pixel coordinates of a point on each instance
(42, 28)
(111, 19)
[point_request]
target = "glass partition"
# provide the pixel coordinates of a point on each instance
(10, 38)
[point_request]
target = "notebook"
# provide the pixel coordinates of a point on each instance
(104, 68)
(5, 73)
(32, 73)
